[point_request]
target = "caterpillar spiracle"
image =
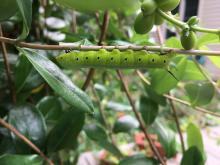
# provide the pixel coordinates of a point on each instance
(114, 59)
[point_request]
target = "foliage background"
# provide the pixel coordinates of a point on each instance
(43, 104)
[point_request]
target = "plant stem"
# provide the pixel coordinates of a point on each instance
(142, 125)
(95, 48)
(7, 67)
(103, 29)
(183, 25)
(171, 19)
(177, 125)
(27, 141)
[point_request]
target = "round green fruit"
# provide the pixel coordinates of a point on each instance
(167, 5)
(188, 39)
(158, 20)
(148, 7)
(7, 9)
(143, 24)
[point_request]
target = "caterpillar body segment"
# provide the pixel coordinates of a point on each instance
(114, 59)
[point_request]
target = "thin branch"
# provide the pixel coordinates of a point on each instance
(102, 37)
(27, 141)
(103, 117)
(142, 125)
(104, 28)
(88, 79)
(161, 39)
(86, 48)
(183, 25)
(199, 109)
(7, 67)
(177, 125)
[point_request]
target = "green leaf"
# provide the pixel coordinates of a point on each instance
(8, 159)
(160, 99)
(29, 122)
(200, 93)
(192, 72)
(192, 156)
(206, 39)
(194, 138)
(59, 81)
(138, 160)
(95, 5)
(8, 8)
(64, 134)
(98, 134)
(23, 69)
(26, 78)
(149, 110)
(125, 124)
(50, 107)
(166, 137)
(162, 81)
(173, 42)
(25, 10)
(215, 60)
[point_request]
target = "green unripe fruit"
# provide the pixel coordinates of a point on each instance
(167, 5)
(158, 20)
(148, 7)
(143, 24)
(188, 39)
(193, 21)
(7, 9)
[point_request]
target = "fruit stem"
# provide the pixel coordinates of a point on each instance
(171, 19)
(184, 25)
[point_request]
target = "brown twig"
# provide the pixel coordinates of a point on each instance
(103, 117)
(142, 125)
(102, 37)
(27, 141)
(104, 28)
(74, 23)
(161, 40)
(177, 125)
(88, 79)
(120, 47)
(7, 67)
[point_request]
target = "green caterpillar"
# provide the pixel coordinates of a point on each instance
(114, 59)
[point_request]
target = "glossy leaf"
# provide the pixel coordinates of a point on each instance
(59, 81)
(8, 159)
(23, 69)
(160, 99)
(51, 108)
(166, 137)
(149, 110)
(8, 8)
(125, 124)
(162, 81)
(29, 122)
(192, 72)
(98, 134)
(194, 137)
(65, 132)
(25, 11)
(206, 39)
(138, 160)
(200, 93)
(192, 156)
